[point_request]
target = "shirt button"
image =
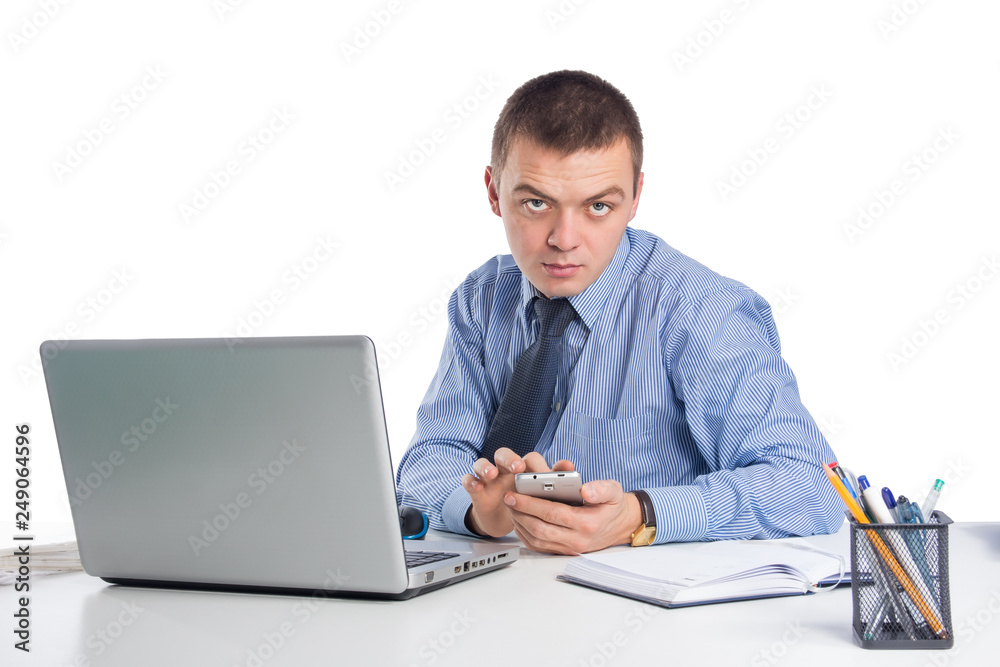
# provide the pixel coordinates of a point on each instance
(558, 405)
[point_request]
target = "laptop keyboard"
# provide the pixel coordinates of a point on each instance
(418, 558)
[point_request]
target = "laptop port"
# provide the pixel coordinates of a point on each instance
(502, 556)
(429, 577)
(473, 565)
(458, 568)
(482, 562)
(466, 566)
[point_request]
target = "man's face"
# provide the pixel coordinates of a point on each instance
(564, 215)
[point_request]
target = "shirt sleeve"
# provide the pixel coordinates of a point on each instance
(451, 423)
(742, 406)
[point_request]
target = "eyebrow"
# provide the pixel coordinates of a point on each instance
(613, 190)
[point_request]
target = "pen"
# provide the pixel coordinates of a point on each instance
(844, 494)
(894, 601)
(843, 478)
(853, 484)
(890, 503)
(910, 555)
(875, 504)
(909, 512)
(886, 554)
(932, 498)
(915, 539)
(881, 611)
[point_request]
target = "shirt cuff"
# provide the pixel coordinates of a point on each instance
(454, 510)
(680, 514)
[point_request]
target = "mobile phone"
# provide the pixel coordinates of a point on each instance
(563, 487)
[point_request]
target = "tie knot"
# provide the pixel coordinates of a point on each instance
(554, 315)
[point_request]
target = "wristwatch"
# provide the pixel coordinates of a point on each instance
(646, 533)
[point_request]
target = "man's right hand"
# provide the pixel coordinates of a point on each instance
(489, 515)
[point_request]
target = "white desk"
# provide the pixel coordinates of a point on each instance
(519, 615)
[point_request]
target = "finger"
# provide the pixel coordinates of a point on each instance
(562, 465)
(538, 529)
(535, 462)
(542, 537)
(472, 484)
(508, 461)
(484, 469)
(547, 511)
(530, 542)
(602, 491)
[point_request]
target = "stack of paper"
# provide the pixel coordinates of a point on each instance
(42, 559)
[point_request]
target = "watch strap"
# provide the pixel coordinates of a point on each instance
(646, 505)
(646, 533)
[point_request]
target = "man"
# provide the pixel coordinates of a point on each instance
(668, 378)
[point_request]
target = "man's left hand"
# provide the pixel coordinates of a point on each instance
(608, 517)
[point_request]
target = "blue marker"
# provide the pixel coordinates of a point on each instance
(890, 502)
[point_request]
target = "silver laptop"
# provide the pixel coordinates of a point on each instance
(258, 463)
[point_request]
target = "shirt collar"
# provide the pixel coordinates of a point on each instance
(590, 302)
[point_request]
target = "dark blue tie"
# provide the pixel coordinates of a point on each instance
(525, 407)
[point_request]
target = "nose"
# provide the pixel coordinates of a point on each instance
(565, 234)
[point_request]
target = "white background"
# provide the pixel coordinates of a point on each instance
(894, 76)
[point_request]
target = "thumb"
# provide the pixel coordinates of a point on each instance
(602, 491)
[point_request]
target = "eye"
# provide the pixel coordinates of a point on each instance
(600, 209)
(536, 205)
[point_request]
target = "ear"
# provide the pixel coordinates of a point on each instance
(635, 202)
(491, 190)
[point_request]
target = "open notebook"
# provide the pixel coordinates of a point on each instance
(681, 575)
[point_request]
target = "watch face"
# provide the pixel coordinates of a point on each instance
(644, 536)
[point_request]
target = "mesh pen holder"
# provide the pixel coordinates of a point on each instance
(899, 584)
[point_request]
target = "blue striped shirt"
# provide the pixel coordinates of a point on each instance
(671, 380)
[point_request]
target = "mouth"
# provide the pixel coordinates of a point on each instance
(561, 270)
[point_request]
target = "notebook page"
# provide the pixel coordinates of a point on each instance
(692, 565)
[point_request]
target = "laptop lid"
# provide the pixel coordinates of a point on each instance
(254, 462)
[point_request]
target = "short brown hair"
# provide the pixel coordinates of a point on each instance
(568, 111)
